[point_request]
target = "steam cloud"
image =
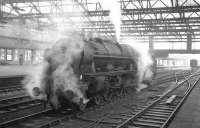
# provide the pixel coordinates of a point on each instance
(60, 70)
(144, 68)
(144, 63)
(115, 14)
(62, 53)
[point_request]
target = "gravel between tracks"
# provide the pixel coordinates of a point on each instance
(118, 106)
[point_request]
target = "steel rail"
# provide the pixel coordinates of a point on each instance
(10, 122)
(13, 98)
(179, 105)
(143, 111)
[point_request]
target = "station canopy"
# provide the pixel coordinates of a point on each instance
(163, 21)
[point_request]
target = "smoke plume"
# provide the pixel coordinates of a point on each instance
(115, 14)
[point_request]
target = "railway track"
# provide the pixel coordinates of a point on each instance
(14, 82)
(10, 89)
(10, 86)
(11, 80)
(12, 109)
(159, 113)
(16, 103)
(171, 77)
(38, 117)
(156, 113)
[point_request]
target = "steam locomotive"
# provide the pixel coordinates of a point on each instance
(97, 72)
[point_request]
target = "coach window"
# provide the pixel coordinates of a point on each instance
(15, 54)
(2, 54)
(28, 54)
(9, 54)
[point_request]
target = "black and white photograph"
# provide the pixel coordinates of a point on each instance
(99, 63)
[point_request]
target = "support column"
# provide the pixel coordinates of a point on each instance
(151, 44)
(5, 57)
(189, 42)
(33, 56)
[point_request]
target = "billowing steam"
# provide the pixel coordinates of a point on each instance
(34, 80)
(115, 14)
(144, 68)
(56, 75)
(57, 66)
(144, 64)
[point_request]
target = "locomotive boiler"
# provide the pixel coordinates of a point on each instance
(93, 70)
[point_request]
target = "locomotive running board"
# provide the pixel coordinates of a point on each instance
(114, 57)
(110, 73)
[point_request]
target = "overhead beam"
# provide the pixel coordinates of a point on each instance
(131, 12)
(177, 51)
(26, 1)
(129, 30)
(152, 21)
(142, 10)
(159, 10)
(154, 34)
(137, 20)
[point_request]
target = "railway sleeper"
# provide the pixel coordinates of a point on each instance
(159, 110)
(166, 106)
(140, 108)
(154, 118)
(163, 108)
(160, 113)
(150, 121)
(156, 115)
(145, 124)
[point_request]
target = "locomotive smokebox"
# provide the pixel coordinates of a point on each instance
(36, 91)
(69, 94)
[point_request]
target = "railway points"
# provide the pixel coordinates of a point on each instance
(188, 115)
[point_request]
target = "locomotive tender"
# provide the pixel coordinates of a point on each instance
(103, 70)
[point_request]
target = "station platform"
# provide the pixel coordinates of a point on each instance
(189, 114)
(13, 70)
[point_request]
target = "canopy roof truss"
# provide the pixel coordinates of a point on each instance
(164, 20)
